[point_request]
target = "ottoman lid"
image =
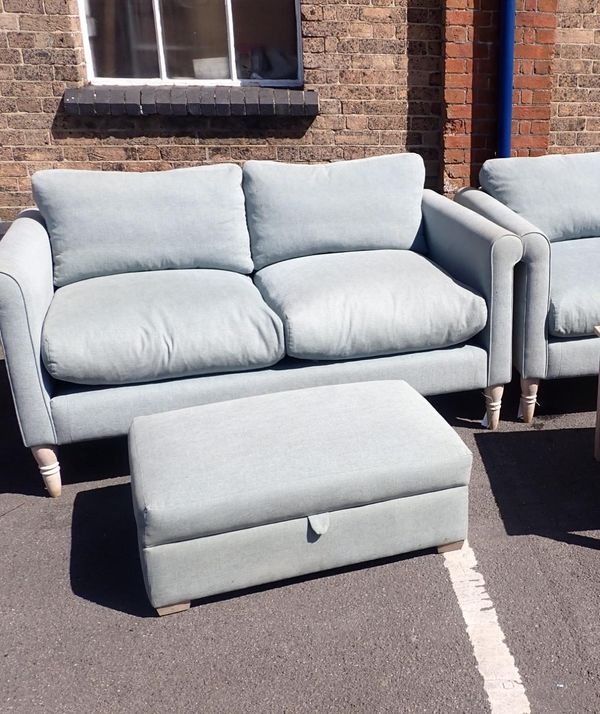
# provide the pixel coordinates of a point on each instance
(248, 462)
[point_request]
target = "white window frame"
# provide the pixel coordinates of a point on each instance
(164, 80)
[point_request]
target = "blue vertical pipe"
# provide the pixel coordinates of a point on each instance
(506, 76)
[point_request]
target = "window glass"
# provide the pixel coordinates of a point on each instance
(265, 39)
(122, 38)
(195, 39)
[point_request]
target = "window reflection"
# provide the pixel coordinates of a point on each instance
(265, 39)
(195, 38)
(195, 42)
(122, 38)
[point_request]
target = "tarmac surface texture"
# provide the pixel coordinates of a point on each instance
(77, 633)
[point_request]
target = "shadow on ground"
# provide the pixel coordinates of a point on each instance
(94, 460)
(546, 482)
(104, 565)
(18, 472)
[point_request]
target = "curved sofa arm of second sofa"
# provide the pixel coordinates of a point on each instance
(482, 255)
(26, 290)
(532, 282)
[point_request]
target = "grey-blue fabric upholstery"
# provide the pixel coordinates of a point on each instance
(574, 288)
(532, 282)
(575, 357)
(198, 568)
(556, 295)
(368, 303)
(81, 413)
(52, 411)
(162, 324)
(25, 294)
(248, 462)
(558, 193)
(209, 470)
(108, 222)
(481, 255)
(296, 210)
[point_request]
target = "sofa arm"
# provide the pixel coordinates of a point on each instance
(482, 255)
(532, 283)
(26, 290)
(490, 208)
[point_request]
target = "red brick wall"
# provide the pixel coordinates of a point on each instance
(471, 33)
(534, 47)
(424, 78)
(471, 65)
(375, 97)
(575, 122)
(392, 75)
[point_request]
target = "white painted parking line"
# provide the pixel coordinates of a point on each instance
(496, 665)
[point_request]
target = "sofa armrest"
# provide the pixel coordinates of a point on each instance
(26, 290)
(532, 282)
(490, 208)
(482, 255)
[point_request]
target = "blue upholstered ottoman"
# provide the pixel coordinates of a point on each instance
(249, 491)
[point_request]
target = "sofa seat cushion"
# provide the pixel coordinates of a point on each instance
(366, 204)
(368, 303)
(557, 193)
(574, 288)
(109, 222)
(143, 327)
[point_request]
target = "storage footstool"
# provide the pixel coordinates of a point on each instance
(238, 493)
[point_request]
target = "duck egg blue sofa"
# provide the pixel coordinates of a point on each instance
(129, 294)
(552, 203)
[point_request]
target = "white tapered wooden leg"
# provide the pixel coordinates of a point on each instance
(529, 390)
(49, 468)
(449, 547)
(172, 609)
(493, 402)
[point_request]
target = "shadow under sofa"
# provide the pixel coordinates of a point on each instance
(402, 284)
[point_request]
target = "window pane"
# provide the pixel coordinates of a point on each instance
(123, 38)
(195, 38)
(265, 39)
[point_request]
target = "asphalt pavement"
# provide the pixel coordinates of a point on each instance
(78, 635)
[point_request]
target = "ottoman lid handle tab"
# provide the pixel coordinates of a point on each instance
(319, 523)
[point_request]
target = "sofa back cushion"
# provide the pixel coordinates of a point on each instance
(109, 222)
(559, 193)
(295, 210)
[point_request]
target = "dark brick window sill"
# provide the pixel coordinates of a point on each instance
(189, 101)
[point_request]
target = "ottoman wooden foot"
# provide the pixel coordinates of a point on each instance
(450, 546)
(172, 609)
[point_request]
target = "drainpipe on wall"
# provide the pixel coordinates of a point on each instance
(506, 76)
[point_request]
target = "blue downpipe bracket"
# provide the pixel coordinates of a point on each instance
(506, 77)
